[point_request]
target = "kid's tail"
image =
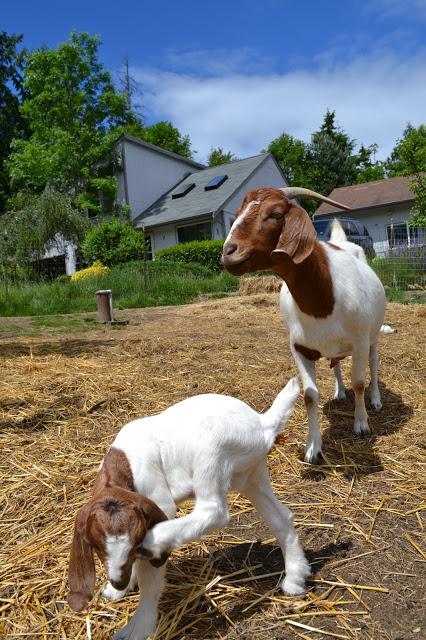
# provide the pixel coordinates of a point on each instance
(282, 408)
(337, 234)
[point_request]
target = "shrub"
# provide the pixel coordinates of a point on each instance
(97, 269)
(205, 252)
(113, 242)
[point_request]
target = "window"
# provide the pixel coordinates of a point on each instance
(148, 247)
(183, 190)
(353, 229)
(215, 183)
(201, 231)
(402, 234)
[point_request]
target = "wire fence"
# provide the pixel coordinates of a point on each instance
(400, 257)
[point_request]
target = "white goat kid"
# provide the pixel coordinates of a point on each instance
(201, 447)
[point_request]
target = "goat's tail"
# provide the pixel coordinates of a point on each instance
(337, 234)
(280, 411)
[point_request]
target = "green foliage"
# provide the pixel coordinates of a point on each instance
(168, 284)
(11, 91)
(205, 252)
(37, 223)
(218, 156)
(113, 242)
(165, 135)
(409, 154)
(72, 109)
(418, 211)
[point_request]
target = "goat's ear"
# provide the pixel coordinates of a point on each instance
(151, 511)
(81, 572)
(298, 235)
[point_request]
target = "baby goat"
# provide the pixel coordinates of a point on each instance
(332, 301)
(201, 447)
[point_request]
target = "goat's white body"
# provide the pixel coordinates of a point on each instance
(203, 447)
(352, 329)
(358, 310)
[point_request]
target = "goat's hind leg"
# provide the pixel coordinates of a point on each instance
(280, 520)
(375, 399)
(340, 392)
(307, 373)
(359, 364)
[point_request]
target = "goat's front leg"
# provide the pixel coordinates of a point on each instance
(210, 513)
(307, 373)
(280, 520)
(144, 621)
(359, 364)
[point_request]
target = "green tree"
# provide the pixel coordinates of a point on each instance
(113, 242)
(39, 222)
(11, 91)
(368, 169)
(418, 211)
(163, 134)
(218, 156)
(292, 156)
(330, 156)
(409, 154)
(73, 112)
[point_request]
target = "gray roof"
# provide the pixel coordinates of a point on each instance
(165, 152)
(199, 202)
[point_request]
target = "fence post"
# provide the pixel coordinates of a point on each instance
(104, 305)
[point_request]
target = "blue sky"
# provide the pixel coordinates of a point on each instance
(238, 73)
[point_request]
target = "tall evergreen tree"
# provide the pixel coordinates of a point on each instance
(12, 124)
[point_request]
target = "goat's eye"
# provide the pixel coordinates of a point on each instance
(275, 215)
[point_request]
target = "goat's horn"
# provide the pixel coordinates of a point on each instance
(294, 192)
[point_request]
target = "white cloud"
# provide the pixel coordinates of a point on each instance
(374, 97)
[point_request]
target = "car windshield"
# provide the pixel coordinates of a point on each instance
(321, 226)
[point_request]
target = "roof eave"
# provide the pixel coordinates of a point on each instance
(373, 206)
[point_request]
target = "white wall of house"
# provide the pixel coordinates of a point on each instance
(147, 175)
(267, 175)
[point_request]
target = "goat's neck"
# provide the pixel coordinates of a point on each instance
(115, 472)
(309, 282)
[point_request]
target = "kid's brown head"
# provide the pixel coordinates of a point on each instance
(113, 524)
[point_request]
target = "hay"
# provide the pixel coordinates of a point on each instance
(259, 284)
(360, 516)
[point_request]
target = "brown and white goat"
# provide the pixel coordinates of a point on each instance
(332, 301)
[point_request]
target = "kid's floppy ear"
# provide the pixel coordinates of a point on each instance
(152, 512)
(298, 235)
(81, 572)
(153, 515)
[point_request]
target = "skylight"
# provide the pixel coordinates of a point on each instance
(183, 190)
(215, 183)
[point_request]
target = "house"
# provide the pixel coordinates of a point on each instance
(383, 206)
(175, 199)
(202, 205)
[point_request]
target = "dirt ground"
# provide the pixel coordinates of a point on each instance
(360, 516)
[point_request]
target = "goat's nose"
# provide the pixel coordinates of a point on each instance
(230, 247)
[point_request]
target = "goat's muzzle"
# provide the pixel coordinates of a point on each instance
(233, 260)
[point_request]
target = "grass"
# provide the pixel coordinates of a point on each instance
(168, 284)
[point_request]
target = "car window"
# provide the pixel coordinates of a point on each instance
(353, 231)
(321, 226)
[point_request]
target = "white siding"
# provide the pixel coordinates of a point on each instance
(163, 237)
(148, 175)
(268, 175)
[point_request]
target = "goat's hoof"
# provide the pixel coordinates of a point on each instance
(293, 587)
(361, 427)
(340, 395)
(375, 404)
(110, 593)
(313, 456)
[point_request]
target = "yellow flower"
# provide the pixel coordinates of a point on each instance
(95, 270)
